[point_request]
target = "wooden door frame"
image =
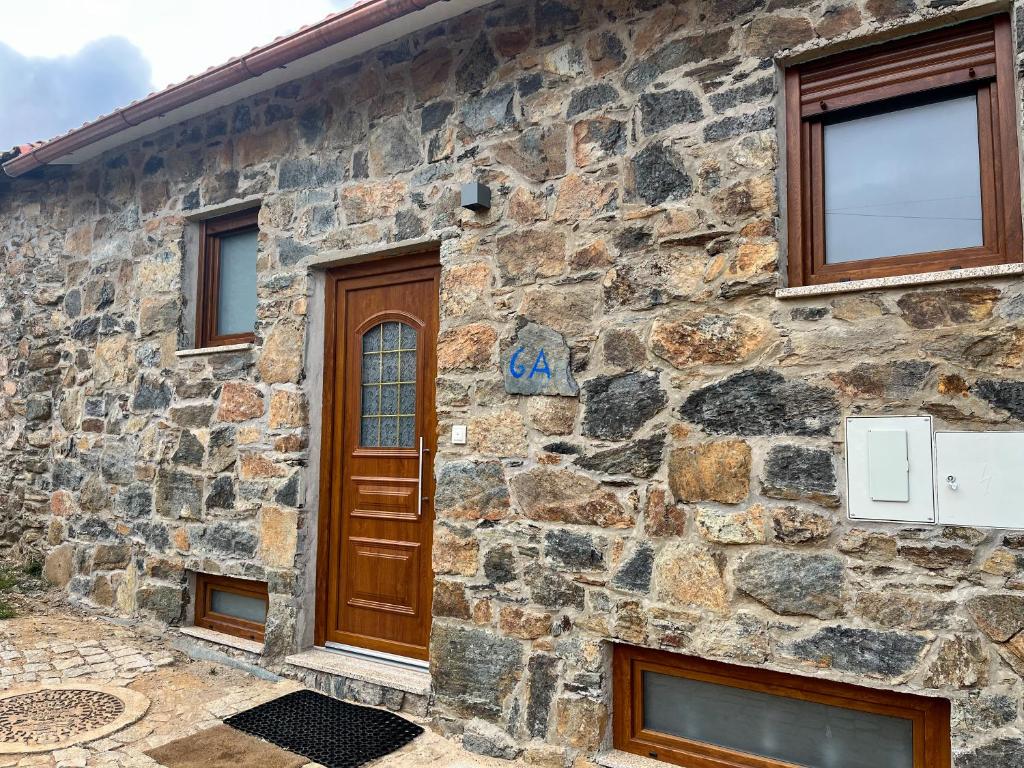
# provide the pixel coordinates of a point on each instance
(427, 258)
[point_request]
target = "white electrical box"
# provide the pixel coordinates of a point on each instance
(459, 434)
(889, 468)
(980, 478)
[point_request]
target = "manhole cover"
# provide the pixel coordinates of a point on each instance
(41, 719)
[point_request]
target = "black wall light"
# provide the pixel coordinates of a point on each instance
(476, 196)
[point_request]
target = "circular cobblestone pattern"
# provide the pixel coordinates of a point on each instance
(41, 719)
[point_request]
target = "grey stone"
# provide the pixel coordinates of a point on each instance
(190, 451)
(477, 66)
(797, 472)
(117, 464)
(641, 458)
(537, 361)
(554, 19)
(178, 494)
(543, 682)
(1005, 395)
(590, 98)
(192, 415)
(222, 493)
(73, 303)
(134, 502)
(500, 565)
(288, 494)
(165, 602)
(487, 739)
(635, 574)
(490, 111)
(151, 394)
(67, 475)
(222, 449)
(290, 252)
(663, 109)
(793, 584)
(982, 712)
(38, 408)
(864, 651)
(1000, 616)
(685, 50)
(737, 125)
(434, 115)
(474, 490)
(1004, 752)
(572, 551)
(659, 175)
(480, 670)
(763, 402)
(762, 88)
(226, 538)
(308, 172)
(394, 148)
(553, 591)
(617, 406)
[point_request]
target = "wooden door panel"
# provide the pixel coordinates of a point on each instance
(380, 432)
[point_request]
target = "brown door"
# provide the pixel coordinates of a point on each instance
(376, 519)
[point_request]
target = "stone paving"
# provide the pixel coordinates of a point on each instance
(55, 644)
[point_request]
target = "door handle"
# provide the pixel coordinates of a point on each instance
(420, 498)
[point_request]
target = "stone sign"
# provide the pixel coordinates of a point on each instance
(536, 362)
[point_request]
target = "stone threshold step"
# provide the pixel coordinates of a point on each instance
(416, 682)
(613, 758)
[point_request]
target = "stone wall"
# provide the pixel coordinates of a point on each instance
(688, 498)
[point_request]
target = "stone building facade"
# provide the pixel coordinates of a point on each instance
(690, 497)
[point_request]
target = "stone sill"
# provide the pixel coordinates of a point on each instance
(900, 281)
(365, 670)
(213, 350)
(613, 758)
(219, 638)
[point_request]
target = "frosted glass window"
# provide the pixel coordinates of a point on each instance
(388, 410)
(236, 300)
(903, 182)
(238, 606)
(803, 733)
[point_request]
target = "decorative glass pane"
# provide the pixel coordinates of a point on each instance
(236, 300)
(796, 732)
(388, 377)
(903, 182)
(238, 606)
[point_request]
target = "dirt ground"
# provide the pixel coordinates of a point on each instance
(48, 642)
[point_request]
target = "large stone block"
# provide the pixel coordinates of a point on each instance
(718, 471)
(475, 670)
(563, 496)
(537, 361)
(615, 407)
(469, 490)
(863, 651)
(791, 583)
(797, 472)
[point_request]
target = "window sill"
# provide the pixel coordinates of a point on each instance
(901, 281)
(219, 638)
(213, 350)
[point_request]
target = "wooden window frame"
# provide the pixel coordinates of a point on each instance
(930, 716)
(976, 57)
(208, 283)
(207, 618)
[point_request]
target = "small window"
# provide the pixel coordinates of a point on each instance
(902, 158)
(226, 300)
(688, 711)
(232, 606)
(389, 386)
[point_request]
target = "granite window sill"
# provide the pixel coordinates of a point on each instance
(901, 281)
(221, 350)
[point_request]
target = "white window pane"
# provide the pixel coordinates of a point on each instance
(903, 182)
(803, 733)
(239, 606)
(236, 302)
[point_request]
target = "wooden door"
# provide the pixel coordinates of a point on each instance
(379, 438)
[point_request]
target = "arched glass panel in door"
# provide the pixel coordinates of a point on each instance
(388, 417)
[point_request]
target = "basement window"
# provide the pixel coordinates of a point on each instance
(232, 606)
(689, 711)
(226, 294)
(902, 157)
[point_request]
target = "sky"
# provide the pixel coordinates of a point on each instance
(64, 62)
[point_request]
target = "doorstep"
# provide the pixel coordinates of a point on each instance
(363, 681)
(613, 758)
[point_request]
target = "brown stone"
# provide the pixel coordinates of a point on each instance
(686, 574)
(597, 140)
(466, 348)
(792, 525)
(280, 359)
(363, 202)
(745, 527)
(935, 556)
(708, 339)
(569, 311)
(279, 531)
(537, 154)
(526, 207)
(661, 517)
(954, 306)
(450, 600)
(772, 33)
(287, 409)
(256, 466)
(523, 623)
(429, 72)
(961, 662)
(563, 496)
(464, 288)
(511, 42)
(999, 616)
(891, 609)
(592, 256)
(718, 471)
(581, 723)
(838, 20)
(455, 552)
(863, 543)
(883, 10)
(524, 257)
(582, 197)
(499, 433)
(59, 565)
(240, 402)
(553, 415)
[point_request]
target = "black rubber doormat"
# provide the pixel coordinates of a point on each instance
(327, 731)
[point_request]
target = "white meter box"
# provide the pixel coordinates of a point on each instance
(980, 478)
(889, 468)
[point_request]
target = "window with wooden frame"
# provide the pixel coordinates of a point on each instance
(704, 714)
(902, 157)
(226, 294)
(232, 606)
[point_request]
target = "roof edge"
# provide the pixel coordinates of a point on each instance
(281, 52)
